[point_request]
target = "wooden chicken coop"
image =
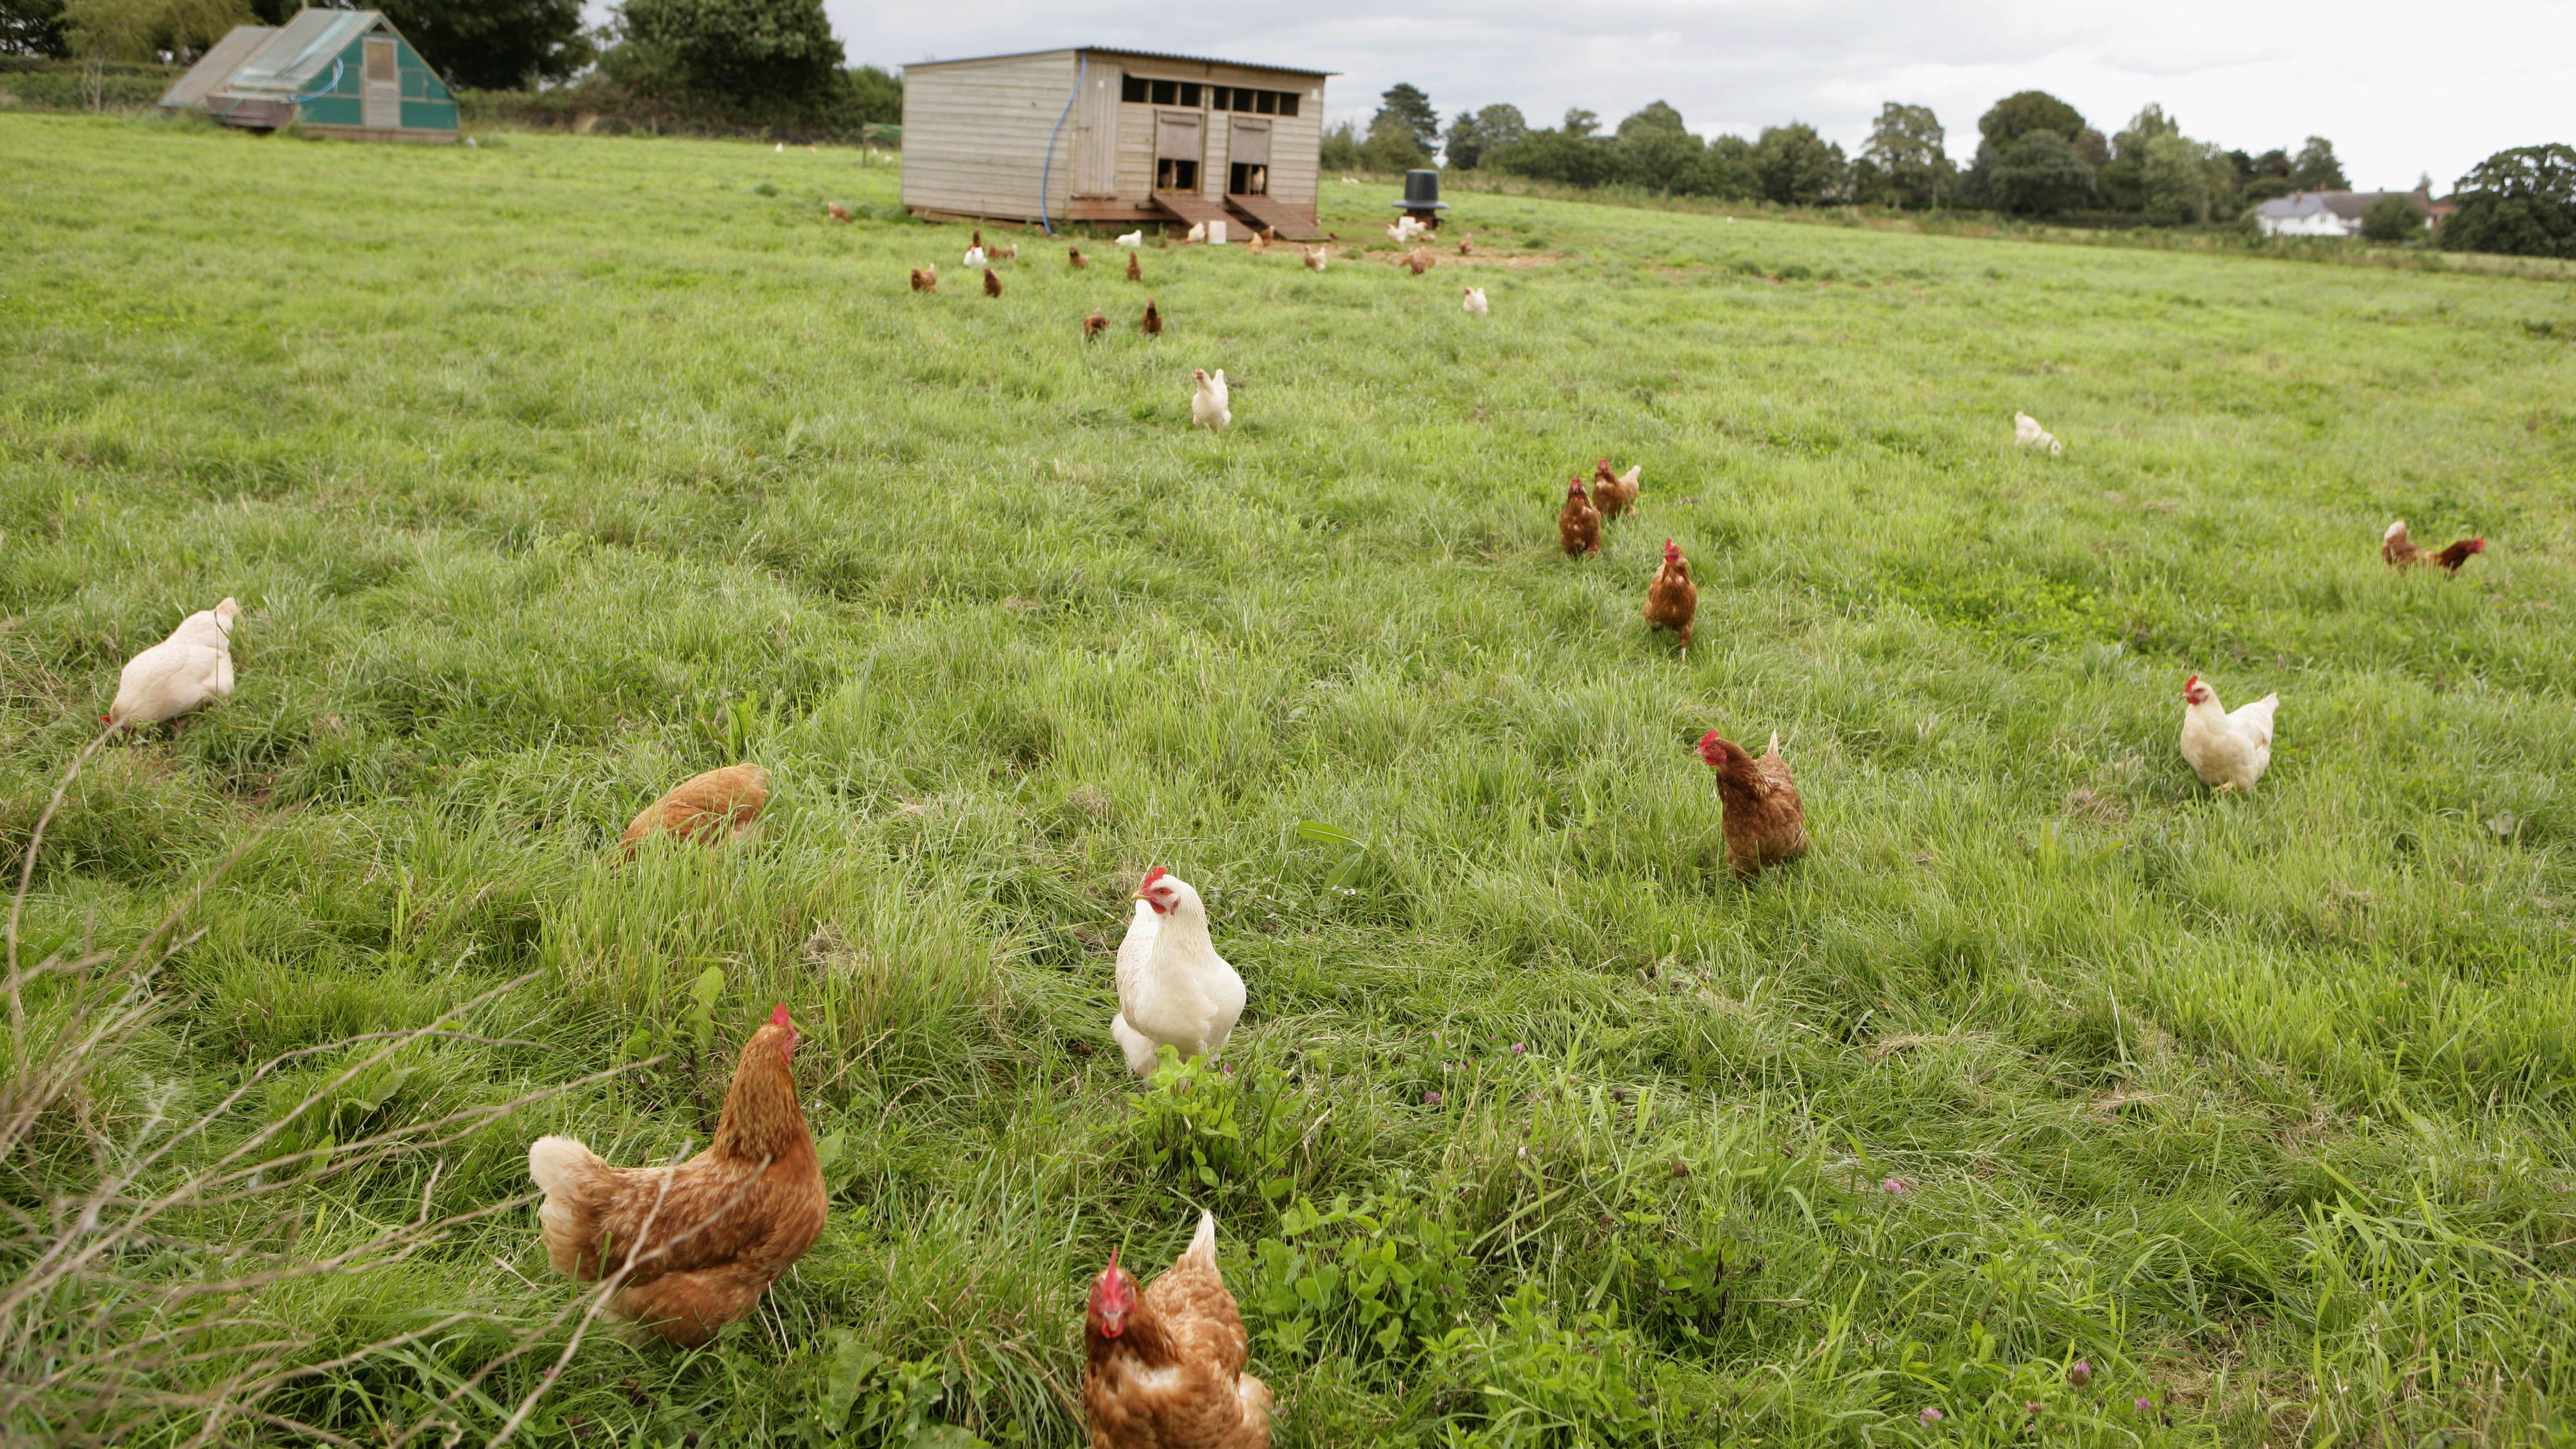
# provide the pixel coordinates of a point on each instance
(1118, 137)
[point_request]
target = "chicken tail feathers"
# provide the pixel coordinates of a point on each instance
(552, 1159)
(1201, 1252)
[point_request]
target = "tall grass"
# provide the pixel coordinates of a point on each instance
(551, 472)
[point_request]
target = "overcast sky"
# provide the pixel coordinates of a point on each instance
(2400, 89)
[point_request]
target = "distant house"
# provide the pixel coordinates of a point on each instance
(1124, 137)
(336, 72)
(2331, 213)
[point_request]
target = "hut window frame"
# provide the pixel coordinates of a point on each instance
(1134, 89)
(379, 54)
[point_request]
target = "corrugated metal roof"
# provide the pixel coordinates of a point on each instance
(1125, 50)
(217, 65)
(297, 55)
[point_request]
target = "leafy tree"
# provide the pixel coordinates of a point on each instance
(2173, 186)
(1580, 123)
(1340, 148)
(766, 54)
(1660, 160)
(1656, 118)
(1405, 109)
(2041, 172)
(2521, 201)
(1570, 158)
(1473, 137)
(2316, 168)
(2392, 219)
(1728, 169)
(143, 30)
(1905, 155)
(876, 95)
(33, 27)
(2024, 112)
(494, 44)
(1797, 167)
(1393, 144)
(2091, 145)
(2122, 178)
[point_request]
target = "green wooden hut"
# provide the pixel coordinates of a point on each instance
(335, 72)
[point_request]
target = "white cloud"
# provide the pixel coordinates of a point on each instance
(2400, 90)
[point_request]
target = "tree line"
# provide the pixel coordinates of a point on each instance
(2036, 156)
(746, 62)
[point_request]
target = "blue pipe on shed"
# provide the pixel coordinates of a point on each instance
(1046, 173)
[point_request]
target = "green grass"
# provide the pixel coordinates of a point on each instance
(551, 472)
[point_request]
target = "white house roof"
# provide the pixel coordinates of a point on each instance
(217, 65)
(2294, 205)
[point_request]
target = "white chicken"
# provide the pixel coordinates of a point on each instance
(1198, 231)
(1133, 239)
(190, 669)
(1315, 259)
(1208, 407)
(1475, 302)
(1173, 988)
(2029, 434)
(975, 257)
(2227, 751)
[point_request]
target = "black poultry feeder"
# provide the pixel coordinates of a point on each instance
(1422, 197)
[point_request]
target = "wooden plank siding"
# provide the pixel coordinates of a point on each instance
(976, 134)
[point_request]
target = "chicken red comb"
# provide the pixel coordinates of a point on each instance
(778, 1014)
(1671, 548)
(1151, 876)
(1709, 747)
(2477, 545)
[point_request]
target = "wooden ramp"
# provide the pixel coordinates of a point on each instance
(1290, 223)
(1191, 210)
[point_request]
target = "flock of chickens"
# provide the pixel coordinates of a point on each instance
(1209, 404)
(687, 1249)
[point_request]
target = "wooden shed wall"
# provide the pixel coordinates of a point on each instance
(975, 135)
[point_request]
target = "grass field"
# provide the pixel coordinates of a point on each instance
(551, 472)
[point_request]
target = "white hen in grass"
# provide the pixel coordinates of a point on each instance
(189, 670)
(1475, 302)
(1208, 406)
(2227, 751)
(1133, 239)
(2029, 434)
(1173, 988)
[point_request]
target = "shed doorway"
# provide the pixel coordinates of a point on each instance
(382, 105)
(1247, 171)
(1178, 144)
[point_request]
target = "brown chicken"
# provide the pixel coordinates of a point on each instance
(2401, 552)
(1314, 259)
(1672, 600)
(1419, 260)
(925, 281)
(1135, 268)
(1464, 246)
(1615, 493)
(1257, 244)
(701, 1241)
(1765, 823)
(710, 809)
(1094, 325)
(1166, 1365)
(1151, 324)
(1009, 253)
(1578, 524)
(1075, 256)
(992, 284)
(838, 211)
